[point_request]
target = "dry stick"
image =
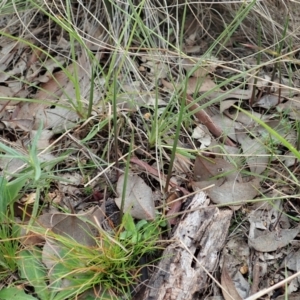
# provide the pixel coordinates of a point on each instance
(206, 120)
(256, 276)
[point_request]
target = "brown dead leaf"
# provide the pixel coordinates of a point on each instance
(255, 153)
(206, 167)
(156, 174)
(138, 199)
(227, 124)
(229, 291)
(229, 192)
(273, 241)
(69, 226)
(268, 101)
(291, 107)
(293, 296)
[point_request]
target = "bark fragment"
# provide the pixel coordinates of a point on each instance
(182, 274)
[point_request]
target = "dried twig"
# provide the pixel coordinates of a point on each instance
(205, 119)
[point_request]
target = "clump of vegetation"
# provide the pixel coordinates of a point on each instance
(142, 103)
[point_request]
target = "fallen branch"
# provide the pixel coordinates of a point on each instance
(188, 263)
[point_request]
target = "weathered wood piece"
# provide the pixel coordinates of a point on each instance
(199, 237)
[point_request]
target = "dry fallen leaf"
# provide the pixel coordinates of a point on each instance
(293, 296)
(206, 167)
(268, 101)
(52, 255)
(194, 84)
(255, 153)
(236, 259)
(229, 192)
(291, 108)
(229, 291)
(273, 241)
(202, 134)
(69, 226)
(138, 199)
(227, 124)
(204, 118)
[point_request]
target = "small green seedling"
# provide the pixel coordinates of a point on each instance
(143, 230)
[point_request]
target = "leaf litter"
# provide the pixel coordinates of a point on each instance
(233, 179)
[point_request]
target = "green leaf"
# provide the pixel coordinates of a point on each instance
(9, 192)
(15, 293)
(33, 158)
(14, 187)
(141, 224)
(125, 235)
(128, 223)
(31, 268)
(4, 198)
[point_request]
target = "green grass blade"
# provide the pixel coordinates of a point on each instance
(272, 132)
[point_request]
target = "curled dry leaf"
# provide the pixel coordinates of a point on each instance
(138, 199)
(273, 240)
(236, 260)
(201, 134)
(228, 289)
